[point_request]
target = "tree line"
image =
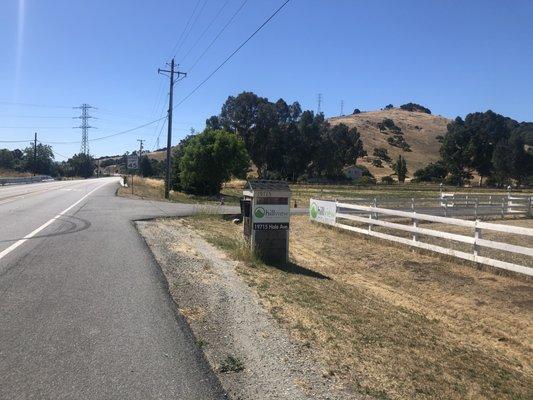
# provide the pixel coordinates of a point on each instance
(487, 143)
(281, 140)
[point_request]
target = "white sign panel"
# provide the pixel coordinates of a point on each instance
(322, 211)
(271, 217)
(133, 162)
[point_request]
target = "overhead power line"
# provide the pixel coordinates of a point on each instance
(203, 82)
(205, 30)
(220, 32)
(233, 53)
(178, 43)
(191, 28)
(8, 103)
(15, 141)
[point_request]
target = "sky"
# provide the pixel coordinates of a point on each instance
(454, 57)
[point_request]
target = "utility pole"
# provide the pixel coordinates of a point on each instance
(319, 108)
(140, 147)
(35, 155)
(179, 74)
(140, 154)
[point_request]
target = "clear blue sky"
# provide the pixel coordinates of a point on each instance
(454, 57)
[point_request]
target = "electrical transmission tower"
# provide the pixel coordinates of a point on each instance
(319, 108)
(342, 107)
(85, 126)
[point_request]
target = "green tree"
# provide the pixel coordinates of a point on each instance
(502, 163)
(145, 167)
(453, 151)
(211, 158)
(400, 168)
(433, 172)
(43, 163)
(7, 160)
(81, 165)
(521, 161)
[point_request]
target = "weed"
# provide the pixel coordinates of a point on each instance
(231, 364)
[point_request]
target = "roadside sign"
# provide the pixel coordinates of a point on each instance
(133, 162)
(323, 211)
(271, 217)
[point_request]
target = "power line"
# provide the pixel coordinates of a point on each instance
(186, 26)
(15, 141)
(35, 127)
(8, 103)
(217, 35)
(205, 30)
(191, 27)
(233, 53)
(190, 93)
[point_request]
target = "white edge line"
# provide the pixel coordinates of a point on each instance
(47, 223)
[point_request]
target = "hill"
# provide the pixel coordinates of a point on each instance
(418, 129)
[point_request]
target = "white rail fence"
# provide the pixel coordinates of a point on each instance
(338, 214)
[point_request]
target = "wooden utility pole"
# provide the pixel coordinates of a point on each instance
(35, 155)
(171, 73)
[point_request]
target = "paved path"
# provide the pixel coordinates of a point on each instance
(84, 312)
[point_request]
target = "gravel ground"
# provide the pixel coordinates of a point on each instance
(227, 319)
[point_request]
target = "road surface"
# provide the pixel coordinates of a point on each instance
(84, 312)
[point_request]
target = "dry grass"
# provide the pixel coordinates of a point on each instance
(148, 188)
(395, 323)
(12, 173)
(423, 142)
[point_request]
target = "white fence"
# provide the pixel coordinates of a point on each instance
(338, 214)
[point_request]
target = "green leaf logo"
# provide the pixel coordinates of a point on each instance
(259, 212)
(313, 211)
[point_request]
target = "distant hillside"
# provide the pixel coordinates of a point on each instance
(419, 130)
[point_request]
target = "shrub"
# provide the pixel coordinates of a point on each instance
(211, 158)
(382, 153)
(376, 162)
(356, 111)
(415, 107)
(366, 180)
(399, 141)
(434, 172)
(388, 180)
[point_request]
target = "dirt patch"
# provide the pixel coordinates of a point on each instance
(391, 322)
(253, 357)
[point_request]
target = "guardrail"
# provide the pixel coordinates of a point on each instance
(25, 179)
(338, 214)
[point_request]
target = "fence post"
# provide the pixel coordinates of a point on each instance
(445, 206)
(503, 207)
(376, 206)
(475, 207)
(477, 235)
(490, 200)
(529, 206)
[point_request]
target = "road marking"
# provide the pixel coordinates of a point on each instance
(49, 222)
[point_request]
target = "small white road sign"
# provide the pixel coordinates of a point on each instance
(133, 162)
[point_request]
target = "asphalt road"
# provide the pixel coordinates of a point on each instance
(84, 311)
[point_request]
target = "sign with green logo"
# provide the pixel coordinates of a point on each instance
(322, 211)
(260, 212)
(271, 217)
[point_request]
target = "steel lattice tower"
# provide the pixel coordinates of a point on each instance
(85, 126)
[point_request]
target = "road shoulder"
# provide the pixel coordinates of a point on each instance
(251, 354)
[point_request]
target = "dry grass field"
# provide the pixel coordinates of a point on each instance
(12, 173)
(391, 322)
(154, 189)
(420, 131)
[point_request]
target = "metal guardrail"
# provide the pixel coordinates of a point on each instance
(24, 180)
(339, 214)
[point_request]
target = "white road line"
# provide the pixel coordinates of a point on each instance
(39, 229)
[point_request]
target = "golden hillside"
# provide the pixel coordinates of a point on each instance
(419, 131)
